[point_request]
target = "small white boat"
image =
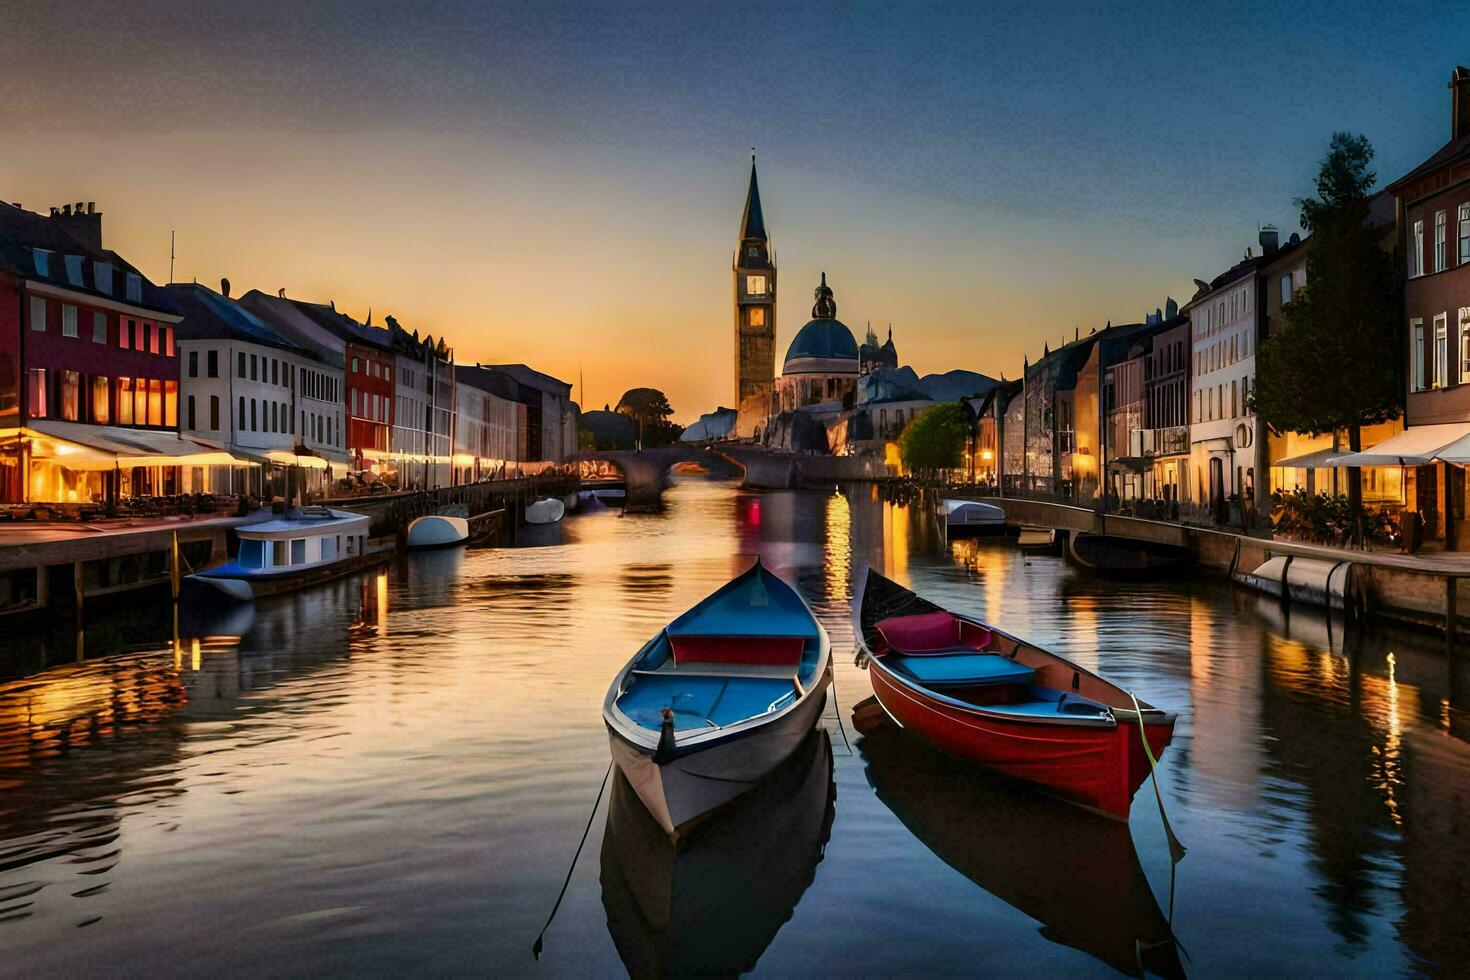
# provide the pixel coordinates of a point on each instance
(971, 518)
(437, 531)
(718, 698)
(548, 510)
(307, 546)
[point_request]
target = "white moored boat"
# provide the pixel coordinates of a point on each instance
(971, 518)
(548, 510)
(302, 548)
(438, 531)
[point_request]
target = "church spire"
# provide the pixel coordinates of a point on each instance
(753, 224)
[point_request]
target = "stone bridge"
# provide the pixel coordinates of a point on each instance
(646, 470)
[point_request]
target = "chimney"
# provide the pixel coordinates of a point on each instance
(224, 287)
(81, 221)
(1460, 103)
(1268, 239)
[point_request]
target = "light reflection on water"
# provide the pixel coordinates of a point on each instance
(391, 772)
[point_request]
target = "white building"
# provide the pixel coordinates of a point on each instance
(1225, 451)
(488, 425)
(257, 394)
(424, 408)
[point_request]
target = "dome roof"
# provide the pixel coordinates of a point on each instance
(823, 337)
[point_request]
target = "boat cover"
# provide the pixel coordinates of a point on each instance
(932, 633)
(962, 669)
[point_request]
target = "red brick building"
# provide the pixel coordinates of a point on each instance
(89, 376)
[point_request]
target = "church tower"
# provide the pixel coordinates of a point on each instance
(755, 317)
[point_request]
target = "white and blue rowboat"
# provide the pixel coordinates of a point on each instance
(547, 510)
(718, 699)
(283, 554)
(971, 518)
(437, 531)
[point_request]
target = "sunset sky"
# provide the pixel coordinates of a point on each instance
(562, 184)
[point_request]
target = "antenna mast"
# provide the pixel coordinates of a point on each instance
(170, 255)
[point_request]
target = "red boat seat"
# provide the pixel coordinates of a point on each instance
(765, 651)
(932, 633)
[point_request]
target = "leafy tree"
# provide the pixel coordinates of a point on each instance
(650, 408)
(1335, 362)
(935, 440)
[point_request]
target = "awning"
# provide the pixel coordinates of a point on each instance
(1309, 461)
(78, 446)
(1415, 446)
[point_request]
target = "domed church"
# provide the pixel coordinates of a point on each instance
(822, 362)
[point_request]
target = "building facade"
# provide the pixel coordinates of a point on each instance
(89, 376)
(822, 362)
(488, 417)
(548, 428)
(755, 318)
(424, 408)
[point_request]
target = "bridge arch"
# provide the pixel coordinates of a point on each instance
(646, 471)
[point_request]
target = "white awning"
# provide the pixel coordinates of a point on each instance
(78, 446)
(1309, 461)
(1414, 447)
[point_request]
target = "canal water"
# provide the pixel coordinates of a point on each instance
(391, 774)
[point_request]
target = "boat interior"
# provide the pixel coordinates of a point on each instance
(748, 650)
(966, 662)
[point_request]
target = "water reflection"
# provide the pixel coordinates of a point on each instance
(1076, 874)
(712, 907)
(388, 774)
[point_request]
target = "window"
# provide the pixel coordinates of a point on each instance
(271, 424)
(214, 413)
(101, 401)
(755, 285)
(354, 401)
(1464, 234)
(135, 288)
(252, 553)
(151, 335)
(167, 343)
(278, 554)
(254, 419)
(354, 365)
(240, 416)
(140, 401)
(757, 316)
(1441, 351)
(71, 395)
(275, 371)
(68, 320)
(36, 393)
(1285, 289)
(298, 551)
(193, 366)
(240, 368)
(102, 277)
(74, 269)
(190, 417)
(155, 403)
(99, 327)
(254, 368)
(1464, 344)
(1417, 330)
(171, 405)
(1439, 240)
(124, 333)
(41, 259)
(38, 314)
(125, 401)
(1416, 250)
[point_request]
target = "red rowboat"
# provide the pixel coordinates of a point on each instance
(981, 694)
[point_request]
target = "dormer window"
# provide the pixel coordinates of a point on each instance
(135, 288)
(755, 285)
(74, 270)
(41, 259)
(102, 277)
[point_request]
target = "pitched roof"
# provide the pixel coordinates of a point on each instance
(535, 379)
(344, 326)
(753, 223)
(208, 315)
(22, 232)
(1453, 150)
(488, 379)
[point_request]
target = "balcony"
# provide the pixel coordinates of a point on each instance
(1159, 442)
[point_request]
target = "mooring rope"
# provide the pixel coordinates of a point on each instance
(1176, 849)
(537, 946)
(837, 710)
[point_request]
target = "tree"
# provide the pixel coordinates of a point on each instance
(935, 440)
(1336, 360)
(650, 408)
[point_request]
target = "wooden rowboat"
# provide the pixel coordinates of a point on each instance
(718, 699)
(979, 693)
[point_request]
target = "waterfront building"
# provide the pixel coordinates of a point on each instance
(754, 266)
(1227, 450)
(424, 407)
(489, 418)
(822, 361)
(263, 397)
(986, 453)
(549, 431)
(1051, 461)
(1164, 439)
(367, 383)
(1434, 204)
(89, 372)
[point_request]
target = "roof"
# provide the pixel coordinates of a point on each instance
(208, 315)
(489, 380)
(719, 424)
(752, 222)
(344, 326)
(1455, 149)
(22, 231)
(535, 379)
(823, 337)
